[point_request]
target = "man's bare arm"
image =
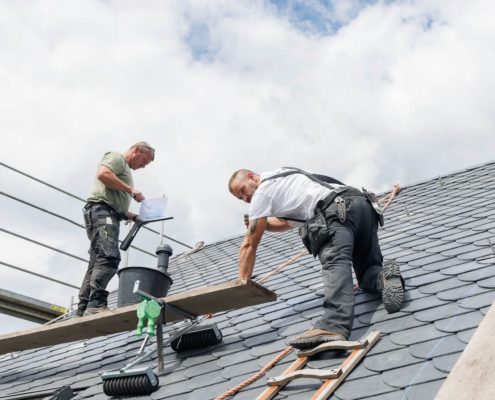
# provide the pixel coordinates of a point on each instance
(247, 254)
(275, 225)
(110, 180)
(272, 224)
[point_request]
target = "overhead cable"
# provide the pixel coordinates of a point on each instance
(41, 244)
(65, 219)
(81, 199)
(41, 276)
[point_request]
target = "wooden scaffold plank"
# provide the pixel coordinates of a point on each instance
(212, 299)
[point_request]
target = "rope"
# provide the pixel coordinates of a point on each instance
(290, 348)
(255, 377)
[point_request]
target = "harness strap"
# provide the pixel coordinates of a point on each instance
(322, 204)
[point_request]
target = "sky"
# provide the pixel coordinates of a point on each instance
(368, 92)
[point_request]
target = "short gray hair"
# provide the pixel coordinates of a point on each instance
(145, 147)
(239, 176)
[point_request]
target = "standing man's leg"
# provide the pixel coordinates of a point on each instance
(107, 259)
(85, 290)
(336, 258)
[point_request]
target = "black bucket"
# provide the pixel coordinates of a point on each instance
(151, 281)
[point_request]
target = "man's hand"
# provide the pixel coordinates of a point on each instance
(247, 254)
(246, 220)
(137, 195)
(132, 216)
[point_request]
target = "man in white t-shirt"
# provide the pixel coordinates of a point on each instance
(342, 226)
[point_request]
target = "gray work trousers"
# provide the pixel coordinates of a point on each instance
(353, 243)
(102, 228)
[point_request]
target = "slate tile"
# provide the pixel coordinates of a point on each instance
(444, 311)
(427, 260)
(379, 316)
(397, 395)
(327, 360)
(391, 360)
(209, 392)
(441, 286)
(383, 345)
(465, 336)
(462, 292)
(485, 310)
(446, 363)
(274, 347)
(425, 391)
(201, 369)
(478, 301)
(412, 375)
(413, 272)
(476, 254)
(439, 265)
(422, 304)
(318, 301)
(440, 247)
(370, 306)
(256, 331)
(477, 274)
(279, 305)
(209, 379)
(360, 372)
(294, 319)
(292, 301)
(413, 294)
(239, 369)
(487, 283)
(363, 297)
(235, 358)
(249, 394)
(353, 390)
(261, 339)
(295, 329)
(288, 359)
(416, 335)
(438, 347)
(460, 322)
(427, 278)
(396, 325)
(248, 325)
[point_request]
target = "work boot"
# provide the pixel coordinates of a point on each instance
(92, 311)
(314, 338)
(393, 287)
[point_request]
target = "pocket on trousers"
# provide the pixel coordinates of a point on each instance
(328, 250)
(108, 240)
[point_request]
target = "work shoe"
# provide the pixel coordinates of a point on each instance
(393, 288)
(314, 338)
(92, 311)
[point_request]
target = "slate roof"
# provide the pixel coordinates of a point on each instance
(439, 232)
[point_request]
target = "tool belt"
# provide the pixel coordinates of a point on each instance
(314, 233)
(90, 207)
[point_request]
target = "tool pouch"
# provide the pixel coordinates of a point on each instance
(371, 197)
(314, 233)
(87, 220)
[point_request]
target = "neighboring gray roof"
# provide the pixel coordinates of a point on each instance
(445, 257)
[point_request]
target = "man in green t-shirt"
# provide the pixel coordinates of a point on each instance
(108, 204)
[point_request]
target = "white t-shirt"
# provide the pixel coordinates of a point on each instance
(291, 196)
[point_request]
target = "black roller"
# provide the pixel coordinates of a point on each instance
(196, 339)
(129, 385)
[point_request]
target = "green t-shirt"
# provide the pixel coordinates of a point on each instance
(99, 192)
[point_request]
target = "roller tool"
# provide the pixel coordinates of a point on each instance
(135, 381)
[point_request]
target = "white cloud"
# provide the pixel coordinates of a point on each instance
(402, 90)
